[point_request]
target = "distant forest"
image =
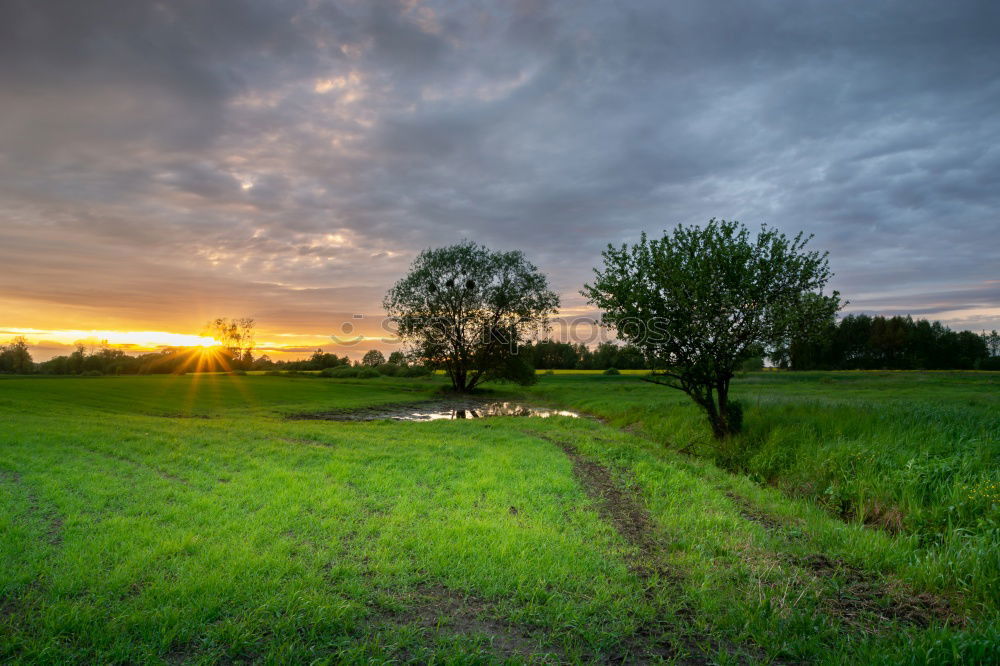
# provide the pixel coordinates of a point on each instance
(862, 342)
(856, 342)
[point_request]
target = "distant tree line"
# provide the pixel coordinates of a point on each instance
(856, 342)
(864, 342)
(554, 355)
(108, 361)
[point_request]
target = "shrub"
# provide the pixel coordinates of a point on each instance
(991, 363)
(516, 370)
(238, 373)
(415, 371)
(91, 373)
(349, 372)
(273, 373)
(388, 369)
(612, 371)
(340, 372)
(373, 358)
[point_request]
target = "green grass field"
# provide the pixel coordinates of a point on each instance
(186, 519)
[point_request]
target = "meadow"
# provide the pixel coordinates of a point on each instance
(176, 519)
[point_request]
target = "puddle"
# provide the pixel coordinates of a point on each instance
(436, 410)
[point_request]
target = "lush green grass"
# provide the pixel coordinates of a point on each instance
(132, 532)
(917, 454)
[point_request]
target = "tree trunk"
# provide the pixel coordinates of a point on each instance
(459, 383)
(727, 425)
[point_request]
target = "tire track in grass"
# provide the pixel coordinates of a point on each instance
(860, 599)
(623, 510)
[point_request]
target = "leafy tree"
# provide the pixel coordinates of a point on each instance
(397, 358)
(372, 358)
(321, 361)
(992, 340)
(698, 299)
(15, 357)
(236, 335)
(465, 308)
(262, 362)
(76, 359)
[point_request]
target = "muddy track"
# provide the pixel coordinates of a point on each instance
(865, 597)
(624, 511)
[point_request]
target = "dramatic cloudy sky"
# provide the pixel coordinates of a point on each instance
(165, 162)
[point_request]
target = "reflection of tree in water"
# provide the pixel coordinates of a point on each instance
(506, 409)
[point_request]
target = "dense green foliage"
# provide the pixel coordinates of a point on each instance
(466, 308)
(132, 532)
(15, 358)
(863, 342)
(373, 358)
(698, 300)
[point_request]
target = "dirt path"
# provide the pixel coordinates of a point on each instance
(662, 638)
(622, 509)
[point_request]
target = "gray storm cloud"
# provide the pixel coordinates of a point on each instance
(167, 161)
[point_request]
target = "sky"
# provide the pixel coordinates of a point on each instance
(165, 163)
